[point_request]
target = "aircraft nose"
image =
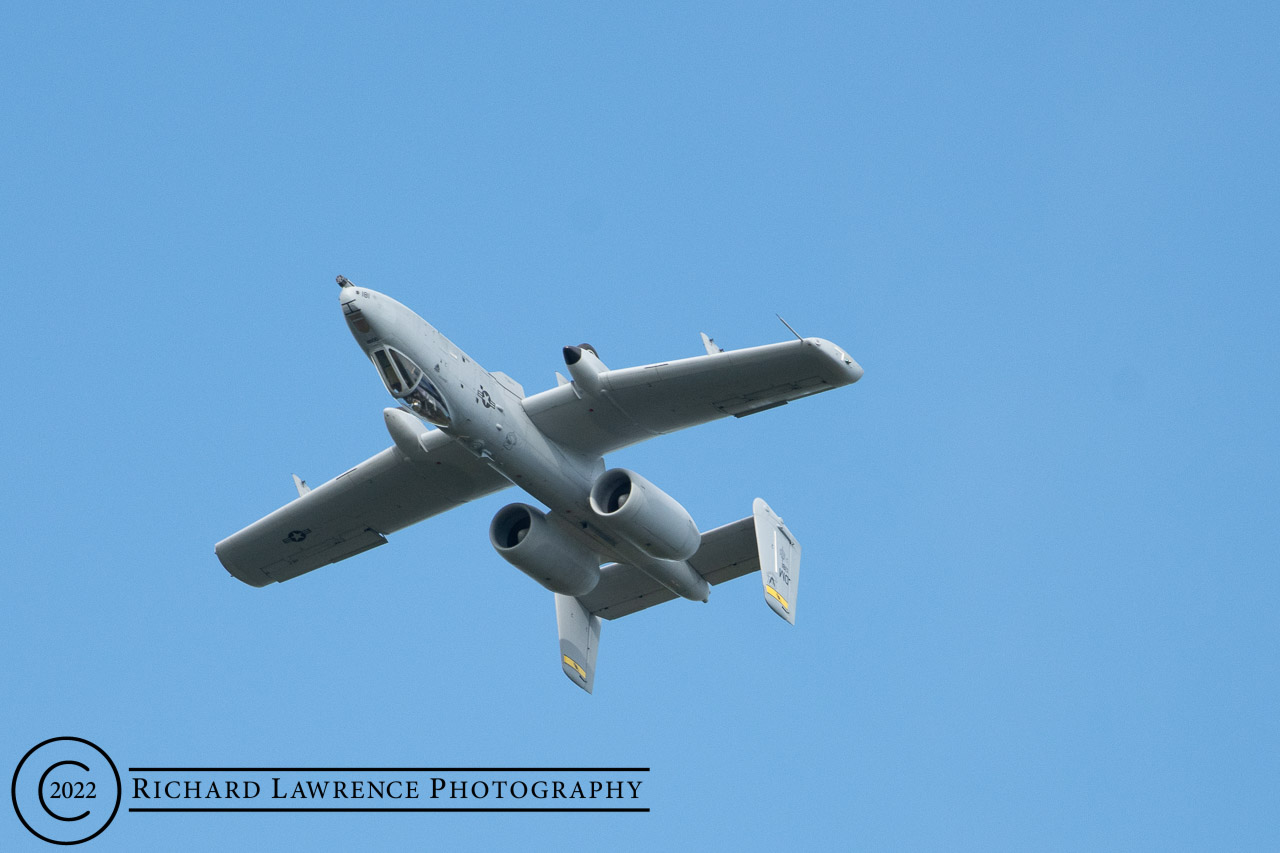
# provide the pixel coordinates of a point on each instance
(352, 308)
(346, 290)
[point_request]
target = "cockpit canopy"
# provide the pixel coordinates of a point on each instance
(409, 383)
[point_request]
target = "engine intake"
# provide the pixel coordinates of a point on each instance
(523, 536)
(644, 515)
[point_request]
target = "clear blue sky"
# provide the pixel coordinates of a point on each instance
(1039, 595)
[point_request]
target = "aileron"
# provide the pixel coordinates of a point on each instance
(725, 553)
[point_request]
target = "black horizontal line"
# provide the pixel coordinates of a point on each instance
(392, 809)
(389, 769)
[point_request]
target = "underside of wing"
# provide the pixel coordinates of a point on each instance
(636, 403)
(354, 511)
(726, 553)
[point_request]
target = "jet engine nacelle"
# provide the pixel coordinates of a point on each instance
(524, 537)
(644, 515)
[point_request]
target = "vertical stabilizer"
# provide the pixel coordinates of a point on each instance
(579, 639)
(779, 561)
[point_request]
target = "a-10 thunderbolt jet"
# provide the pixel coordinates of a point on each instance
(610, 542)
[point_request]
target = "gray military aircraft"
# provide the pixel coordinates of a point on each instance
(611, 543)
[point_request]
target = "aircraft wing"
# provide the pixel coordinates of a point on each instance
(354, 511)
(637, 403)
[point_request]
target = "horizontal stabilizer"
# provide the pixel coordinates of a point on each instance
(579, 639)
(779, 561)
(758, 542)
(725, 553)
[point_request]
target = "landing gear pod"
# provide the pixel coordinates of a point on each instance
(585, 367)
(408, 432)
(528, 540)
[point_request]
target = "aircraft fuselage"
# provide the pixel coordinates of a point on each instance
(439, 383)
